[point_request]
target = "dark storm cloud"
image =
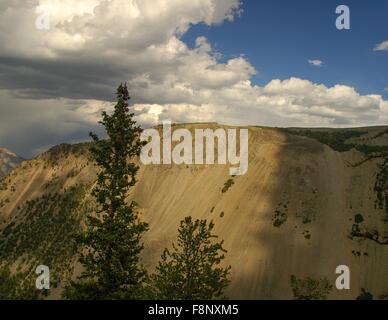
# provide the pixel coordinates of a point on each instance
(42, 78)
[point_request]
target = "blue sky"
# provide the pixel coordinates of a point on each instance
(279, 37)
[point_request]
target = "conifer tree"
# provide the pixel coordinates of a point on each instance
(191, 271)
(111, 243)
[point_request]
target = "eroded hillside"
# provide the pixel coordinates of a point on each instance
(291, 214)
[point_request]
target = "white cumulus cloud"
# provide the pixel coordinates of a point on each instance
(383, 46)
(315, 62)
(55, 82)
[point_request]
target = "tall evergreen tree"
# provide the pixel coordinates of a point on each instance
(191, 271)
(111, 244)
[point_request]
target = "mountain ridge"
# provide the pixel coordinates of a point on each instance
(8, 161)
(291, 214)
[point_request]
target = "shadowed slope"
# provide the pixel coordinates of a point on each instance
(290, 214)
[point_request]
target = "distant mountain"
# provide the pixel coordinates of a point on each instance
(8, 161)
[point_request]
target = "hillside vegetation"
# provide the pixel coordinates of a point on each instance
(290, 216)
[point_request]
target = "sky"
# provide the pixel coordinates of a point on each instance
(254, 62)
(278, 37)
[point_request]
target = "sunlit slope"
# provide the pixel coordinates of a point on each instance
(290, 214)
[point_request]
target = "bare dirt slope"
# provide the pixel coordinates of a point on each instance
(291, 214)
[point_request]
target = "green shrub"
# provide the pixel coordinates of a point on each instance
(358, 218)
(364, 295)
(279, 218)
(310, 289)
(227, 185)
